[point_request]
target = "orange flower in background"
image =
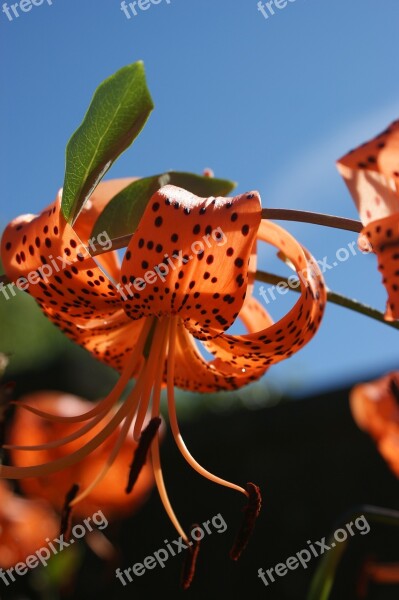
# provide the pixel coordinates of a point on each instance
(371, 173)
(24, 526)
(28, 429)
(147, 317)
(375, 408)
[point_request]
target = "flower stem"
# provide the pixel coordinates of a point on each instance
(302, 216)
(332, 297)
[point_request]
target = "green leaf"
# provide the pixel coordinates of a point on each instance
(118, 111)
(123, 213)
(323, 579)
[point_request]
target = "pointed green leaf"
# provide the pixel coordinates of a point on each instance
(118, 111)
(123, 213)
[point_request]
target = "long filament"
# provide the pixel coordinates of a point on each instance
(155, 455)
(112, 397)
(173, 417)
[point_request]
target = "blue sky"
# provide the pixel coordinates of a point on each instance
(270, 103)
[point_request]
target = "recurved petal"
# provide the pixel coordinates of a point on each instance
(375, 405)
(254, 316)
(47, 258)
(274, 343)
(196, 373)
(383, 235)
(371, 173)
(84, 224)
(189, 256)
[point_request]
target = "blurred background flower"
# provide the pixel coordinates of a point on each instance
(29, 429)
(24, 526)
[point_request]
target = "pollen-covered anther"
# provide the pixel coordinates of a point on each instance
(66, 514)
(190, 563)
(140, 454)
(251, 513)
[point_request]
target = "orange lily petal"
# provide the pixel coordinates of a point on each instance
(69, 286)
(383, 572)
(24, 525)
(84, 224)
(193, 372)
(274, 343)
(388, 447)
(374, 406)
(29, 429)
(371, 173)
(207, 244)
(375, 409)
(383, 235)
(254, 316)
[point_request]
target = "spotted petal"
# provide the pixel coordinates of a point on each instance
(281, 340)
(371, 173)
(194, 372)
(92, 209)
(48, 259)
(189, 257)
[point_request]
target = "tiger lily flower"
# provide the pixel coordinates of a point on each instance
(375, 408)
(24, 525)
(371, 173)
(186, 276)
(50, 440)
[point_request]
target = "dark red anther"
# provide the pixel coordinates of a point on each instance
(140, 454)
(251, 513)
(66, 513)
(189, 564)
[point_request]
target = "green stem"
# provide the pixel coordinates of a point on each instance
(303, 216)
(333, 297)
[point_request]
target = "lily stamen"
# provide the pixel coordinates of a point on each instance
(174, 422)
(141, 451)
(154, 362)
(251, 513)
(190, 562)
(151, 336)
(112, 397)
(66, 514)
